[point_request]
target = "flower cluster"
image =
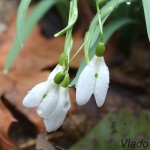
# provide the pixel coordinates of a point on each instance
(51, 100)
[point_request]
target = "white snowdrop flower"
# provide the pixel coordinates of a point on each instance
(57, 116)
(49, 103)
(56, 106)
(94, 79)
(34, 97)
(51, 99)
(37, 93)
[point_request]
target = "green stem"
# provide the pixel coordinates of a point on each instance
(68, 44)
(78, 51)
(69, 39)
(100, 22)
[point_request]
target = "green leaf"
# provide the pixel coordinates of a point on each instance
(31, 21)
(115, 25)
(63, 11)
(106, 11)
(87, 41)
(113, 128)
(108, 32)
(146, 5)
(73, 15)
(23, 7)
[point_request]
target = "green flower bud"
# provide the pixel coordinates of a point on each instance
(100, 49)
(66, 81)
(59, 77)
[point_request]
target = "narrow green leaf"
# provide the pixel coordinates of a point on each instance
(106, 11)
(73, 15)
(146, 5)
(115, 25)
(31, 21)
(102, 2)
(23, 7)
(87, 41)
(108, 32)
(63, 12)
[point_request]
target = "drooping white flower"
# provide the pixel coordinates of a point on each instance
(94, 79)
(49, 103)
(56, 118)
(52, 100)
(35, 96)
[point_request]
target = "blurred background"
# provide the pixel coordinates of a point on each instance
(125, 113)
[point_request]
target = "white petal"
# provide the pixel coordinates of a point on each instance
(57, 69)
(97, 62)
(67, 103)
(34, 97)
(102, 83)
(85, 84)
(56, 118)
(49, 103)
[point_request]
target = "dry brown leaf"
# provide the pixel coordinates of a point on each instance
(6, 120)
(22, 85)
(37, 54)
(5, 83)
(42, 143)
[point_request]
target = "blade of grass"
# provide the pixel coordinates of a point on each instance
(23, 7)
(31, 21)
